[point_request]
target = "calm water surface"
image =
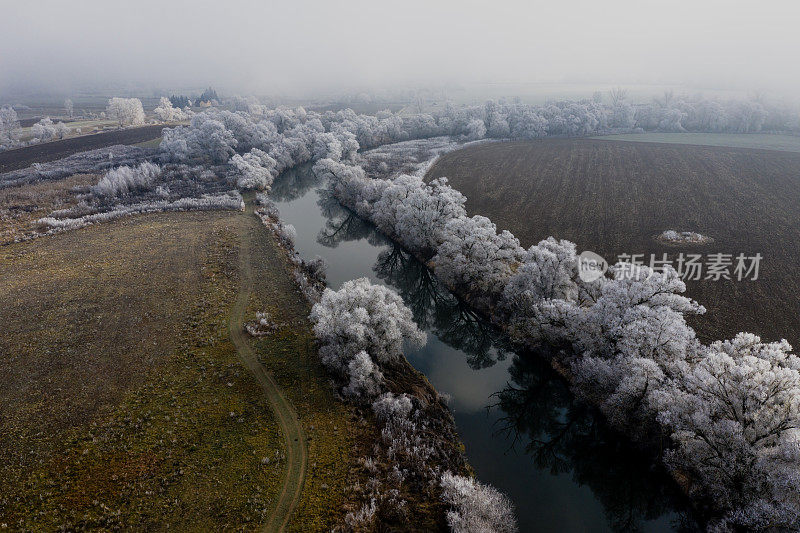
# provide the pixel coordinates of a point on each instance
(524, 432)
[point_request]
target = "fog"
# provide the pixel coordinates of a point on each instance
(305, 47)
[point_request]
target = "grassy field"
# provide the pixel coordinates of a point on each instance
(123, 403)
(763, 141)
(615, 197)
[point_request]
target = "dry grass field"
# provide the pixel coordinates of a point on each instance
(123, 403)
(615, 197)
(23, 205)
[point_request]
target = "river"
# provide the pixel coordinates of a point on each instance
(523, 430)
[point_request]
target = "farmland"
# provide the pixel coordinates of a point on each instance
(124, 402)
(40, 153)
(614, 197)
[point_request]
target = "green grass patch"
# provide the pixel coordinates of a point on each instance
(763, 141)
(153, 143)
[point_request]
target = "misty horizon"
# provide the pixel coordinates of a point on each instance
(311, 49)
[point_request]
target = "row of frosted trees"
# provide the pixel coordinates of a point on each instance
(516, 120)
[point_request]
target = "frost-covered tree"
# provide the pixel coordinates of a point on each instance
(473, 258)
(496, 120)
(549, 270)
(124, 180)
(628, 333)
(707, 115)
(475, 507)
(365, 378)
(249, 104)
(573, 118)
(417, 213)
(735, 416)
(45, 130)
(476, 129)
(9, 127)
(392, 406)
(351, 186)
(421, 126)
(546, 280)
(68, 107)
(622, 115)
(250, 131)
(327, 145)
(363, 317)
(337, 146)
(253, 170)
(62, 130)
(205, 139)
(362, 326)
(746, 116)
(618, 95)
(526, 123)
(639, 313)
(166, 113)
(671, 120)
(621, 386)
(126, 111)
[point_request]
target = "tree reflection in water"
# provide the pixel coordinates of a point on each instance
(436, 309)
(343, 225)
(537, 411)
(294, 183)
(564, 435)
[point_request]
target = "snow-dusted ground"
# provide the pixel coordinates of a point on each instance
(409, 157)
(684, 237)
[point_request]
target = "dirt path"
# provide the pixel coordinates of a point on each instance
(296, 453)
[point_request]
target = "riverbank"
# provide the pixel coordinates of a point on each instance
(378, 475)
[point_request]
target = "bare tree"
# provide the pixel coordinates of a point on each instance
(618, 95)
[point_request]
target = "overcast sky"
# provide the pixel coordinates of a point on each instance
(265, 47)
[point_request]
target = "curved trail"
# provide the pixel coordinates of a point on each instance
(294, 436)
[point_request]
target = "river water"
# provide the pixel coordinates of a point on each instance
(523, 430)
